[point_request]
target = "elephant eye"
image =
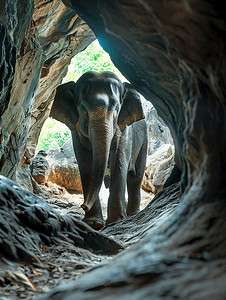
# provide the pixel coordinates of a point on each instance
(84, 110)
(86, 126)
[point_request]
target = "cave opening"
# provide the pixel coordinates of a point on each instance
(55, 134)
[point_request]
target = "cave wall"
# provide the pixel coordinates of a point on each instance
(14, 16)
(35, 64)
(173, 52)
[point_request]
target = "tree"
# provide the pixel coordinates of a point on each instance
(94, 58)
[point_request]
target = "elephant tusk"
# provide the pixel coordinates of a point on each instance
(87, 205)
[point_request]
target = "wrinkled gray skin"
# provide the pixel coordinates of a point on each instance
(108, 129)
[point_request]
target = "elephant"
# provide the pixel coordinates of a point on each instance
(108, 130)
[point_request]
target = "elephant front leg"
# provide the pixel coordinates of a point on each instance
(134, 178)
(134, 195)
(94, 216)
(117, 190)
(119, 160)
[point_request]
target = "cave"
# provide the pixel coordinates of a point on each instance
(173, 53)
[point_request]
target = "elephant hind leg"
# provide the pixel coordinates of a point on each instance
(134, 196)
(134, 179)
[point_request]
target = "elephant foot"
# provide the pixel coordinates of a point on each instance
(115, 218)
(94, 222)
(133, 212)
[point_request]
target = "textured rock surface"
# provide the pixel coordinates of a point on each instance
(17, 102)
(159, 167)
(34, 233)
(54, 35)
(21, 243)
(15, 16)
(154, 268)
(40, 167)
(64, 167)
(160, 160)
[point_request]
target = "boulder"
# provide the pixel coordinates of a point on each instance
(40, 167)
(158, 132)
(64, 167)
(58, 166)
(159, 167)
(160, 160)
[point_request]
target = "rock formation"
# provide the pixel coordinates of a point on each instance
(20, 207)
(58, 166)
(160, 160)
(158, 132)
(40, 167)
(159, 167)
(173, 52)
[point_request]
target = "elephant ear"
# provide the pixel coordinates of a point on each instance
(63, 108)
(131, 110)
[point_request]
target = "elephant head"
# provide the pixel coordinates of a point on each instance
(96, 106)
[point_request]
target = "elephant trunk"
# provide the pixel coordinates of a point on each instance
(100, 135)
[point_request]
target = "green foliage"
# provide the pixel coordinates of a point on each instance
(93, 58)
(53, 135)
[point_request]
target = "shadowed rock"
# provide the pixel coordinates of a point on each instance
(27, 223)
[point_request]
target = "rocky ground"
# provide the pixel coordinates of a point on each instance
(69, 201)
(61, 263)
